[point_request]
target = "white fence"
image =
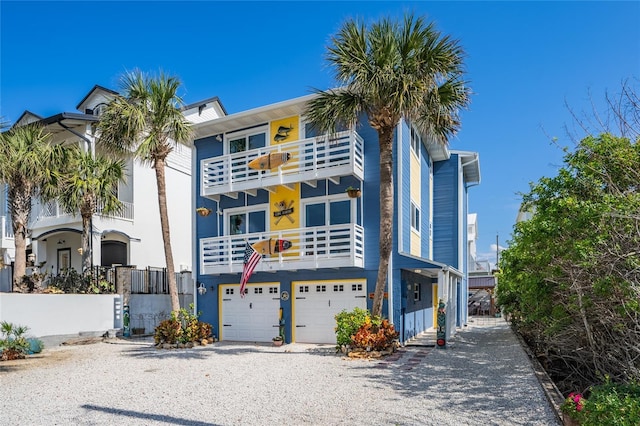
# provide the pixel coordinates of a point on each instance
(62, 314)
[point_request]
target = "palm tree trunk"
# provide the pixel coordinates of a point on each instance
(385, 136)
(86, 250)
(20, 263)
(159, 166)
(20, 209)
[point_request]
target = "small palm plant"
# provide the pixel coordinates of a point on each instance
(13, 344)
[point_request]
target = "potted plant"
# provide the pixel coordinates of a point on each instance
(278, 341)
(353, 192)
(203, 211)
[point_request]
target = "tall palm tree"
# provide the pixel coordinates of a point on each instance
(388, 71)
(146, 122)
(27, 161)
(86, 183)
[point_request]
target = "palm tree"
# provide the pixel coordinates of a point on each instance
(146, 122)
(27, 162)
(389, 71)
(87, 183)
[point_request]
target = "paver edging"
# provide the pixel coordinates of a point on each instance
(551, 391)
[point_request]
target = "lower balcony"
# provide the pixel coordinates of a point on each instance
(332, 246)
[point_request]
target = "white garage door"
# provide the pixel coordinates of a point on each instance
(253, 318)
(317, 303)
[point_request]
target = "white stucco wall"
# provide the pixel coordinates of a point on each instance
(62, 314)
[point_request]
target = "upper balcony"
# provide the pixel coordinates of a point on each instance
(310, 159)
(331, 246)
(43, 214)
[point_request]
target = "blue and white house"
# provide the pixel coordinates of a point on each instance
(266, 179)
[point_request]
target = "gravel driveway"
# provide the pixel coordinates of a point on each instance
(484, 377)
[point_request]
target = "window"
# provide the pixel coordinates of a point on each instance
(416, 292)
(246, 142)
(327, 213)
(247, 222)
(415, 217)
(338, 287)
(415, 142)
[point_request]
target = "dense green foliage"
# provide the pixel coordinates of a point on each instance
(348, 323)
(570, 280)
(72, 282)
(607, 404)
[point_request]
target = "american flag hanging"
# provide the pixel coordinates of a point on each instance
(251, 259)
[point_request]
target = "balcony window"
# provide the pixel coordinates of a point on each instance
(246, 222)
(241, 143)
(327, 213)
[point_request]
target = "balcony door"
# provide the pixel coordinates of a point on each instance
(322, 212)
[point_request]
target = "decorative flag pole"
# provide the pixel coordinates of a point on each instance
(251, 259)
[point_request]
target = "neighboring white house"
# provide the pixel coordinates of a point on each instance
(132, 237)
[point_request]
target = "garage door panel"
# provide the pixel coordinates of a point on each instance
(317, 303)
(253, 318)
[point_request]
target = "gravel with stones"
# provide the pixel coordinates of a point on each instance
(483, 377)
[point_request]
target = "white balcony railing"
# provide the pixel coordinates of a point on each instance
(52, 209)
(311, 248)
(311, 159)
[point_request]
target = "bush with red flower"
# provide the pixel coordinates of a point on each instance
(573, 405)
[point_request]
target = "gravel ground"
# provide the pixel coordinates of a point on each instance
(483, 377)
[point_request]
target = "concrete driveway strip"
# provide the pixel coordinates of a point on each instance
(482, 378)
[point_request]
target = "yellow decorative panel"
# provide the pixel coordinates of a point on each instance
(415, 244)
(285, 130)
(284, 208)
(415, 179)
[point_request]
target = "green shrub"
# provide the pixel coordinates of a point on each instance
(609, 404)
(374, 336)
(168, 331)
(13, 344)
(348, 323)
(183, 327)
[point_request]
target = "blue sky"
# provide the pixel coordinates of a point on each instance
(525, 62)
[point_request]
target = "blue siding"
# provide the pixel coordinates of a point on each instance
(205, 226)
(371, 195)
(445, 214)
(403, 197)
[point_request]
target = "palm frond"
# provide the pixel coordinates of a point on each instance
(439, 117)
(333, 109)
